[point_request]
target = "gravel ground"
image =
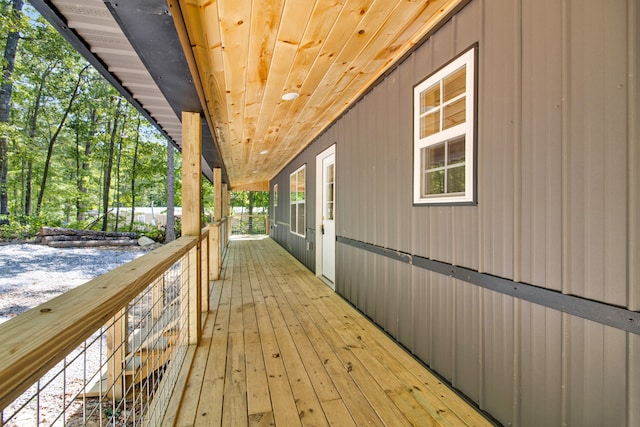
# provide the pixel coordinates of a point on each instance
(32, 274)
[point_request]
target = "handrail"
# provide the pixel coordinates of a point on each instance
(58, 326)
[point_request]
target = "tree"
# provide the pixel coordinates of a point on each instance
(107, 172)
(134, 165)
(54, 138)
(66, 128)
(170, 231)
(6, 90)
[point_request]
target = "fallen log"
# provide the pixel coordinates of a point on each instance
(67, 237)
(48, 239)
(59, 231)
(91, 243)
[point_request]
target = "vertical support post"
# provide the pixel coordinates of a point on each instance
(217, 194)
(215, 259)
(117, 347)
(191, 208)
(214, 251)
(226, 211)
(157, 296)
(204, 272)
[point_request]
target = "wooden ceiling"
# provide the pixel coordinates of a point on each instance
(246, 54)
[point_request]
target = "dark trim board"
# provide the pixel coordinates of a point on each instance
(606, 314)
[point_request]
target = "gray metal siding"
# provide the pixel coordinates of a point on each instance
(596, 143)
(298, 246)
(541, 365)
(558, 208)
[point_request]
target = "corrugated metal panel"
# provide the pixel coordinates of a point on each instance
(423, 330)
(633, 378)
(467, 373)
(499, 354)
(541, 172)
(540, 366)
(595, 146)
(595, 378)
(297, 245)
(442, 320)
(496, 139)
(406, 322)
(633, 85)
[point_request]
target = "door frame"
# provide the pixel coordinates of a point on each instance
(319, 203)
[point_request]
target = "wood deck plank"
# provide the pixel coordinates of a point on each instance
(209, 410)
(309, 408)
(286, 350)
(430, 394)
(258, 397)
(338, 414)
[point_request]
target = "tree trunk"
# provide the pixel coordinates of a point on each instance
(53, 139)
(124, 120)
(170, 231)
(31, 133)
(250, 195)
(107, 172)
(134, 165)
(6, 91)
(28, 187)
(84, 169)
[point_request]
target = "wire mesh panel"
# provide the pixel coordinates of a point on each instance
(249, 224)
(123, 375)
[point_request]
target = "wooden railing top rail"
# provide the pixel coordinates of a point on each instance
(224, 219)
(35, 341)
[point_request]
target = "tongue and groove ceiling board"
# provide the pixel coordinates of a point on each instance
(242, 56)
(250, 53)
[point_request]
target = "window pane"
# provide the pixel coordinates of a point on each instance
(430, 98)
(430, 124)
(434, 156)
(455, 179)
(454, 84)
(293, 187)
(301, 183)
(434, 183)
(330, 192)
(456, 151)
(275, 195)
(454, 113)
(293, 218)
(301, 218)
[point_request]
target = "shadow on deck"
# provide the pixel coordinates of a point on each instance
(281, 348)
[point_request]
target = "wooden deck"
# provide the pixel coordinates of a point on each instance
(281, 348)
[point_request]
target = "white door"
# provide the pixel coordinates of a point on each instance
(326, 163)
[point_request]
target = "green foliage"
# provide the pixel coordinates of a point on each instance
(249, 200)
(25, 227)
(47, 69)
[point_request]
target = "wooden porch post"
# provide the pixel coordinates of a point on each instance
(214, 231)
(117, 343)
(191, 208)
(226, 211)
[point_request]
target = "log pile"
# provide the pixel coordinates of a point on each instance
(67, 238)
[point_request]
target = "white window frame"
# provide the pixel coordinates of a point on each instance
(294, 227)
(466, 129)
(275, 195)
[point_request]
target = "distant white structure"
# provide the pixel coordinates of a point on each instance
(154, 215)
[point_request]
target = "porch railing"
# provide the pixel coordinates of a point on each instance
(250, 224)
(110, 352)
